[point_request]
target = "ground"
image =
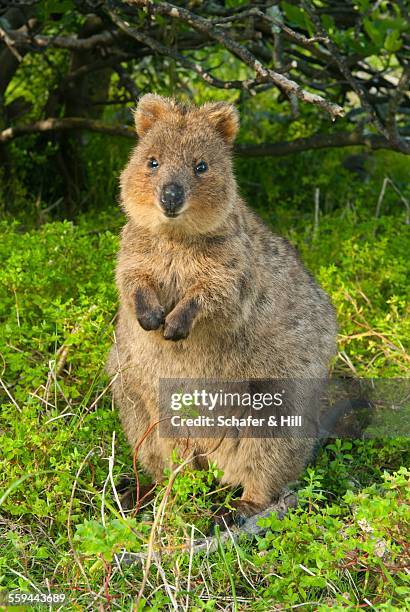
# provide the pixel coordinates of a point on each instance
(63, 452)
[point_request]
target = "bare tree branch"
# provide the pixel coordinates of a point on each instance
(67, 124)
(10, 43)
(19, 39)
(205, 26)
(277, 149)
(181, 59)
(355, 84)
(317, 141)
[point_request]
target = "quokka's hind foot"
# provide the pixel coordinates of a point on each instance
(236, 515)
(242, 510)
(127, 490)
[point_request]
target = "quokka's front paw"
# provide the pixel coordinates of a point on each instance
(178, 323)
(151, 319)
(176, 328)
(150, 314)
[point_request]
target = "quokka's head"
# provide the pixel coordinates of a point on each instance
(180, 174)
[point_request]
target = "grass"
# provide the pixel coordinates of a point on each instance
(63, 452)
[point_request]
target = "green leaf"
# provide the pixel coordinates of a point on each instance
(313, 581)
(392, 41)
(295, 14)
(375, 30)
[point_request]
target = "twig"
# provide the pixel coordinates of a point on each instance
(388, 181)
(97, 399)
(110, 478)
(381, 196)
(385, 340)
(13, 571)
(329, 584)
(10, 43)
(191, 556)
(167, 587)
(256, 12)
(316, 141)
(10, 395)
(68, 123)
(238, 558)
(60, 42)
(295, 36)
(345, 358)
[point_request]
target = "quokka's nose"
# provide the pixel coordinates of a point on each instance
(172, 198)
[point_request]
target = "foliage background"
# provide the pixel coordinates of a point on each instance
(61, 445)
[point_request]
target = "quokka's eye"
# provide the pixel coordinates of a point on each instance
(201, 167)
(153, 163)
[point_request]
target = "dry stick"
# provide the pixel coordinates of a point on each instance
(69, 123)
(205, 26)
(329, 584)
(403, 199)
(13, 571)
(316, 141)
(167, 587)
(388, 181)
(381, 196)
(110, 478)
(256, 12)
(191, 556)
(97, 399)
(10, 395)
(385, 340)
(10, 43)
(62, 353)
(365, 324)
(355, 85)
(239, 559)
(345, 358)
(59, 42)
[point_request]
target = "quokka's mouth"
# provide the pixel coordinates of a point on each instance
(171, 215)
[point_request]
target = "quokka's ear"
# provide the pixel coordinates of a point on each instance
(224, 118)
(150, 109)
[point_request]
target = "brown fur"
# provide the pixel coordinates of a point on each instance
(224, 298)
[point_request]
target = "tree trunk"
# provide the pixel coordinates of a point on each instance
(79, 98)
(17, 19)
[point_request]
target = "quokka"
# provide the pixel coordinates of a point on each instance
(208, 291)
